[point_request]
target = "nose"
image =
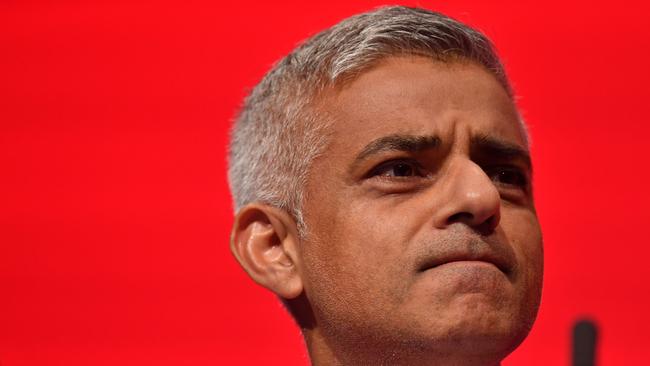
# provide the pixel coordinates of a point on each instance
(468, 196)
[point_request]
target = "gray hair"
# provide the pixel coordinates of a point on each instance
(276, 135)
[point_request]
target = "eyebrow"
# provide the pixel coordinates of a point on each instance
(500, 149)
(408, 143)
(483, 144)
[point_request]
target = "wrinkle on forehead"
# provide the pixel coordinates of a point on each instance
(416, 88)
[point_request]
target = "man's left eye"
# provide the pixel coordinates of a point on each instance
(508, 176)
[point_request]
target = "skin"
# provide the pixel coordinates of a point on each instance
(423, 244)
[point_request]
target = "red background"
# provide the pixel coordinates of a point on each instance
(114, 208)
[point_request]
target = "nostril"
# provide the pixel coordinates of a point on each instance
(484, 227)
(488, 226)
(464, 217)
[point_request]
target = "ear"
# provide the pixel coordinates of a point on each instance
(264, 240)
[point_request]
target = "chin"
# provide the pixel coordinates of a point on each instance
(475, 325)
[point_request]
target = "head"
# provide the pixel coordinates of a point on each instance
(381, 178)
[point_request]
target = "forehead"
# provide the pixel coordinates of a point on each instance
(419, 96)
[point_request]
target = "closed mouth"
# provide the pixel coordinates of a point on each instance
(499, 264)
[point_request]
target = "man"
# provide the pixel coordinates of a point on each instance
(382, 184)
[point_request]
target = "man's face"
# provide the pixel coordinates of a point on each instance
(420, 216)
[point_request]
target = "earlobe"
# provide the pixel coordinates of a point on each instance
(264, 241)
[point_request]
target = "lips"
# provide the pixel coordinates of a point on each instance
(481, 252)
(436, 264)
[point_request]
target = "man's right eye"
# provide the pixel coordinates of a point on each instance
(398, 169)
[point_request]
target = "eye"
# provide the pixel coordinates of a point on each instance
(398, 169)
(508, 176)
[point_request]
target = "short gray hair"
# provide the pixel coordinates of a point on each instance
(276, 135)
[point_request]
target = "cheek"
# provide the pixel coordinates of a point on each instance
(355, 252)
(523, 231)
